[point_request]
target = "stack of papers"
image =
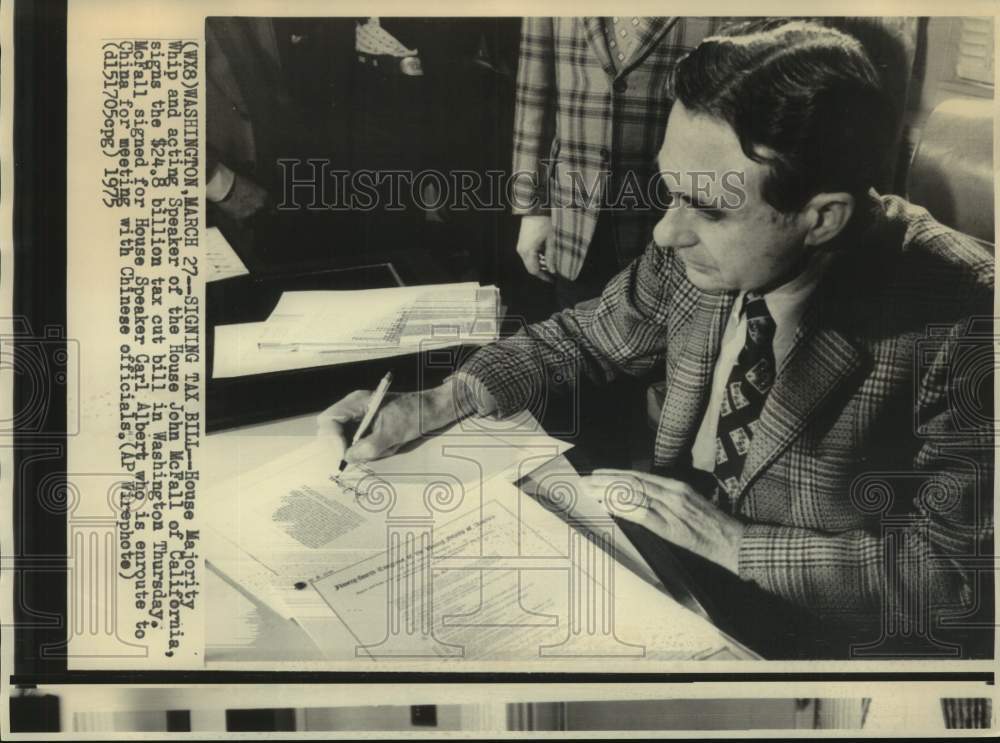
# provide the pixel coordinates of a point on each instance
(320, 328)
(383, 318)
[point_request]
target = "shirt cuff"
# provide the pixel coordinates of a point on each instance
(220, 184)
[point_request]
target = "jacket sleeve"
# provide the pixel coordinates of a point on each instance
(534, 116)
(934, 523)
(622, 331)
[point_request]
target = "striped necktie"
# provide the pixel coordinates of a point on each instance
(746, 390)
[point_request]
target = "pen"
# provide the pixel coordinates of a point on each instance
(373, 405)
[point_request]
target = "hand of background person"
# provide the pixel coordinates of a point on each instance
(531, 240)
(672, 510)
(237, 196)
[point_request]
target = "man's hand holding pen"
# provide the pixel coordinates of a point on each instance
(371, 410)
(400, 419)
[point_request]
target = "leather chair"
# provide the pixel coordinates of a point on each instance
(951, 173)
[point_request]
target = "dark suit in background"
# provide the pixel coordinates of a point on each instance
(455, 116)
(276, 88)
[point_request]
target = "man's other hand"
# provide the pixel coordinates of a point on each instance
(531, 240)
(672, 510)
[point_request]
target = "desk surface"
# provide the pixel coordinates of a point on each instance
(240, 628)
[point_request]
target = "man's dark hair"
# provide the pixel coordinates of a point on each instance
(802, 98)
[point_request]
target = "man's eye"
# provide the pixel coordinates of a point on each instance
(664, 197)
(672, 199)
(676, 199)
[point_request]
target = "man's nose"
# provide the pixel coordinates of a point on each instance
(674, 229)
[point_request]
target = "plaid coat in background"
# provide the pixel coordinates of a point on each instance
(867, 489)
(576, 116)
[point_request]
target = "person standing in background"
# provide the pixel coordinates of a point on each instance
(433, 97)
(591, 105)
(276, 90)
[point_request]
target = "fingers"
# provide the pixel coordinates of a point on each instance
(658, 480)
(672, 510)
(642, 512)
(665, 495)
(543, 265)
(369, 448)
(665, 489)
(620, 495)
(351, 407)
(621, 485)
(394, 425)
(533, 266)
(531, 242)
(627, 497)
(375, 445)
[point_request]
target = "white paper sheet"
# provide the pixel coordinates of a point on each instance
(549, 485)
(220, 260)
(463, 591)
(272, 529)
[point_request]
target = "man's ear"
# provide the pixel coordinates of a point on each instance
(826, 215)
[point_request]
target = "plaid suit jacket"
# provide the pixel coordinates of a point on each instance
(867, 489)
(580, 126)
